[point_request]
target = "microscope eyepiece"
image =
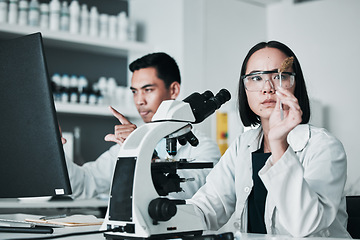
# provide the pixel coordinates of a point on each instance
(221, 97)
(205, 104)
(208, 94)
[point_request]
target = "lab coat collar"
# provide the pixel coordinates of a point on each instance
(255, 139)
(297, 138)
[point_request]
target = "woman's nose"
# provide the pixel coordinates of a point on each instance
(268, 87)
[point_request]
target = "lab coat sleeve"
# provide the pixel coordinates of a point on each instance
(93, 178)
(206, 151)
(307, 192)
(215, 201)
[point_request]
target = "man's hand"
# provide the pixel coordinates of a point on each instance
(121, 132)
(63, 140)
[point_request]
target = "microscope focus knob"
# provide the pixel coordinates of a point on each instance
(162, 209)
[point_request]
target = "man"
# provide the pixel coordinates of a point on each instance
(156, 77)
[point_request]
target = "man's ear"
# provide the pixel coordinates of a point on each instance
(174, 90)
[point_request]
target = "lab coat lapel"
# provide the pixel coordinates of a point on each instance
(255, 140)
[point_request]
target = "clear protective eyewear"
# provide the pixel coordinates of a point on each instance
(255, 81)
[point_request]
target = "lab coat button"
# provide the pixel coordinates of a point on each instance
(237, 225)
(246, 189)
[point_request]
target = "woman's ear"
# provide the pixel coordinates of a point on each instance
(174, 90)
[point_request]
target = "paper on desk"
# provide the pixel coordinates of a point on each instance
(23, 223)
(71, 221)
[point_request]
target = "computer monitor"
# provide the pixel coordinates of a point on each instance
(32, 161)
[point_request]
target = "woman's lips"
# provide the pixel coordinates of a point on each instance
(268, 102)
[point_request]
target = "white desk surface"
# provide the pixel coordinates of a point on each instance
(100, 236)
(57, 231)
(15, 203)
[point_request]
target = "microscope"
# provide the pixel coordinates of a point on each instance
(138, 207)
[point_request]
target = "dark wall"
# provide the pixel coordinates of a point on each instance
(93, 130)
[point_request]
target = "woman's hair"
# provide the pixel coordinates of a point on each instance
(166, 67)
(248, 117)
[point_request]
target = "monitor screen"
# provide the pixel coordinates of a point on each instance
(32, 161)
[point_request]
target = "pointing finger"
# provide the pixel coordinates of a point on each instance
(119, 116)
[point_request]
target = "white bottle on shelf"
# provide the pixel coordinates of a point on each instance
(111, 90)
(44, 15)
(92, 98)
(112, 27)
(34, 13)
(78, 158)
(122, 27)
(56, 79)
(132, 30)
(65, 81)
(56, 86)
(54, 15)
(74, 82)
(102, 85)
(3, 11)
(64, 17)
(94, 22)
(23, 12)
(74, 9)
(13, 12)
(84, 20)
(73, 90)
(82, 83)
(104, 25)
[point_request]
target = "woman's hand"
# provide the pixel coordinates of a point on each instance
(280, 128)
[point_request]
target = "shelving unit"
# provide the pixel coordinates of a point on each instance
(76, 41)
(84, 43)
(94, 110)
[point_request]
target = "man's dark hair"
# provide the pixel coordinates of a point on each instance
(248, 117)
(166, 67)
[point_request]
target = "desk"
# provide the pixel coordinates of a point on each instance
(57, 231)
(87, 206)
(100, 236)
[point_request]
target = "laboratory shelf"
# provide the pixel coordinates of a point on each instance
(96, 110)
(77, 41)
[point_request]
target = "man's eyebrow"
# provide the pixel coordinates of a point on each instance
(145, 86)
(148, 85)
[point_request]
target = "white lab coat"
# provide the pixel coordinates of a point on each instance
(94, 178)
(305, 187)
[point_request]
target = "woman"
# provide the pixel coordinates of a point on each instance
(284, 177)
